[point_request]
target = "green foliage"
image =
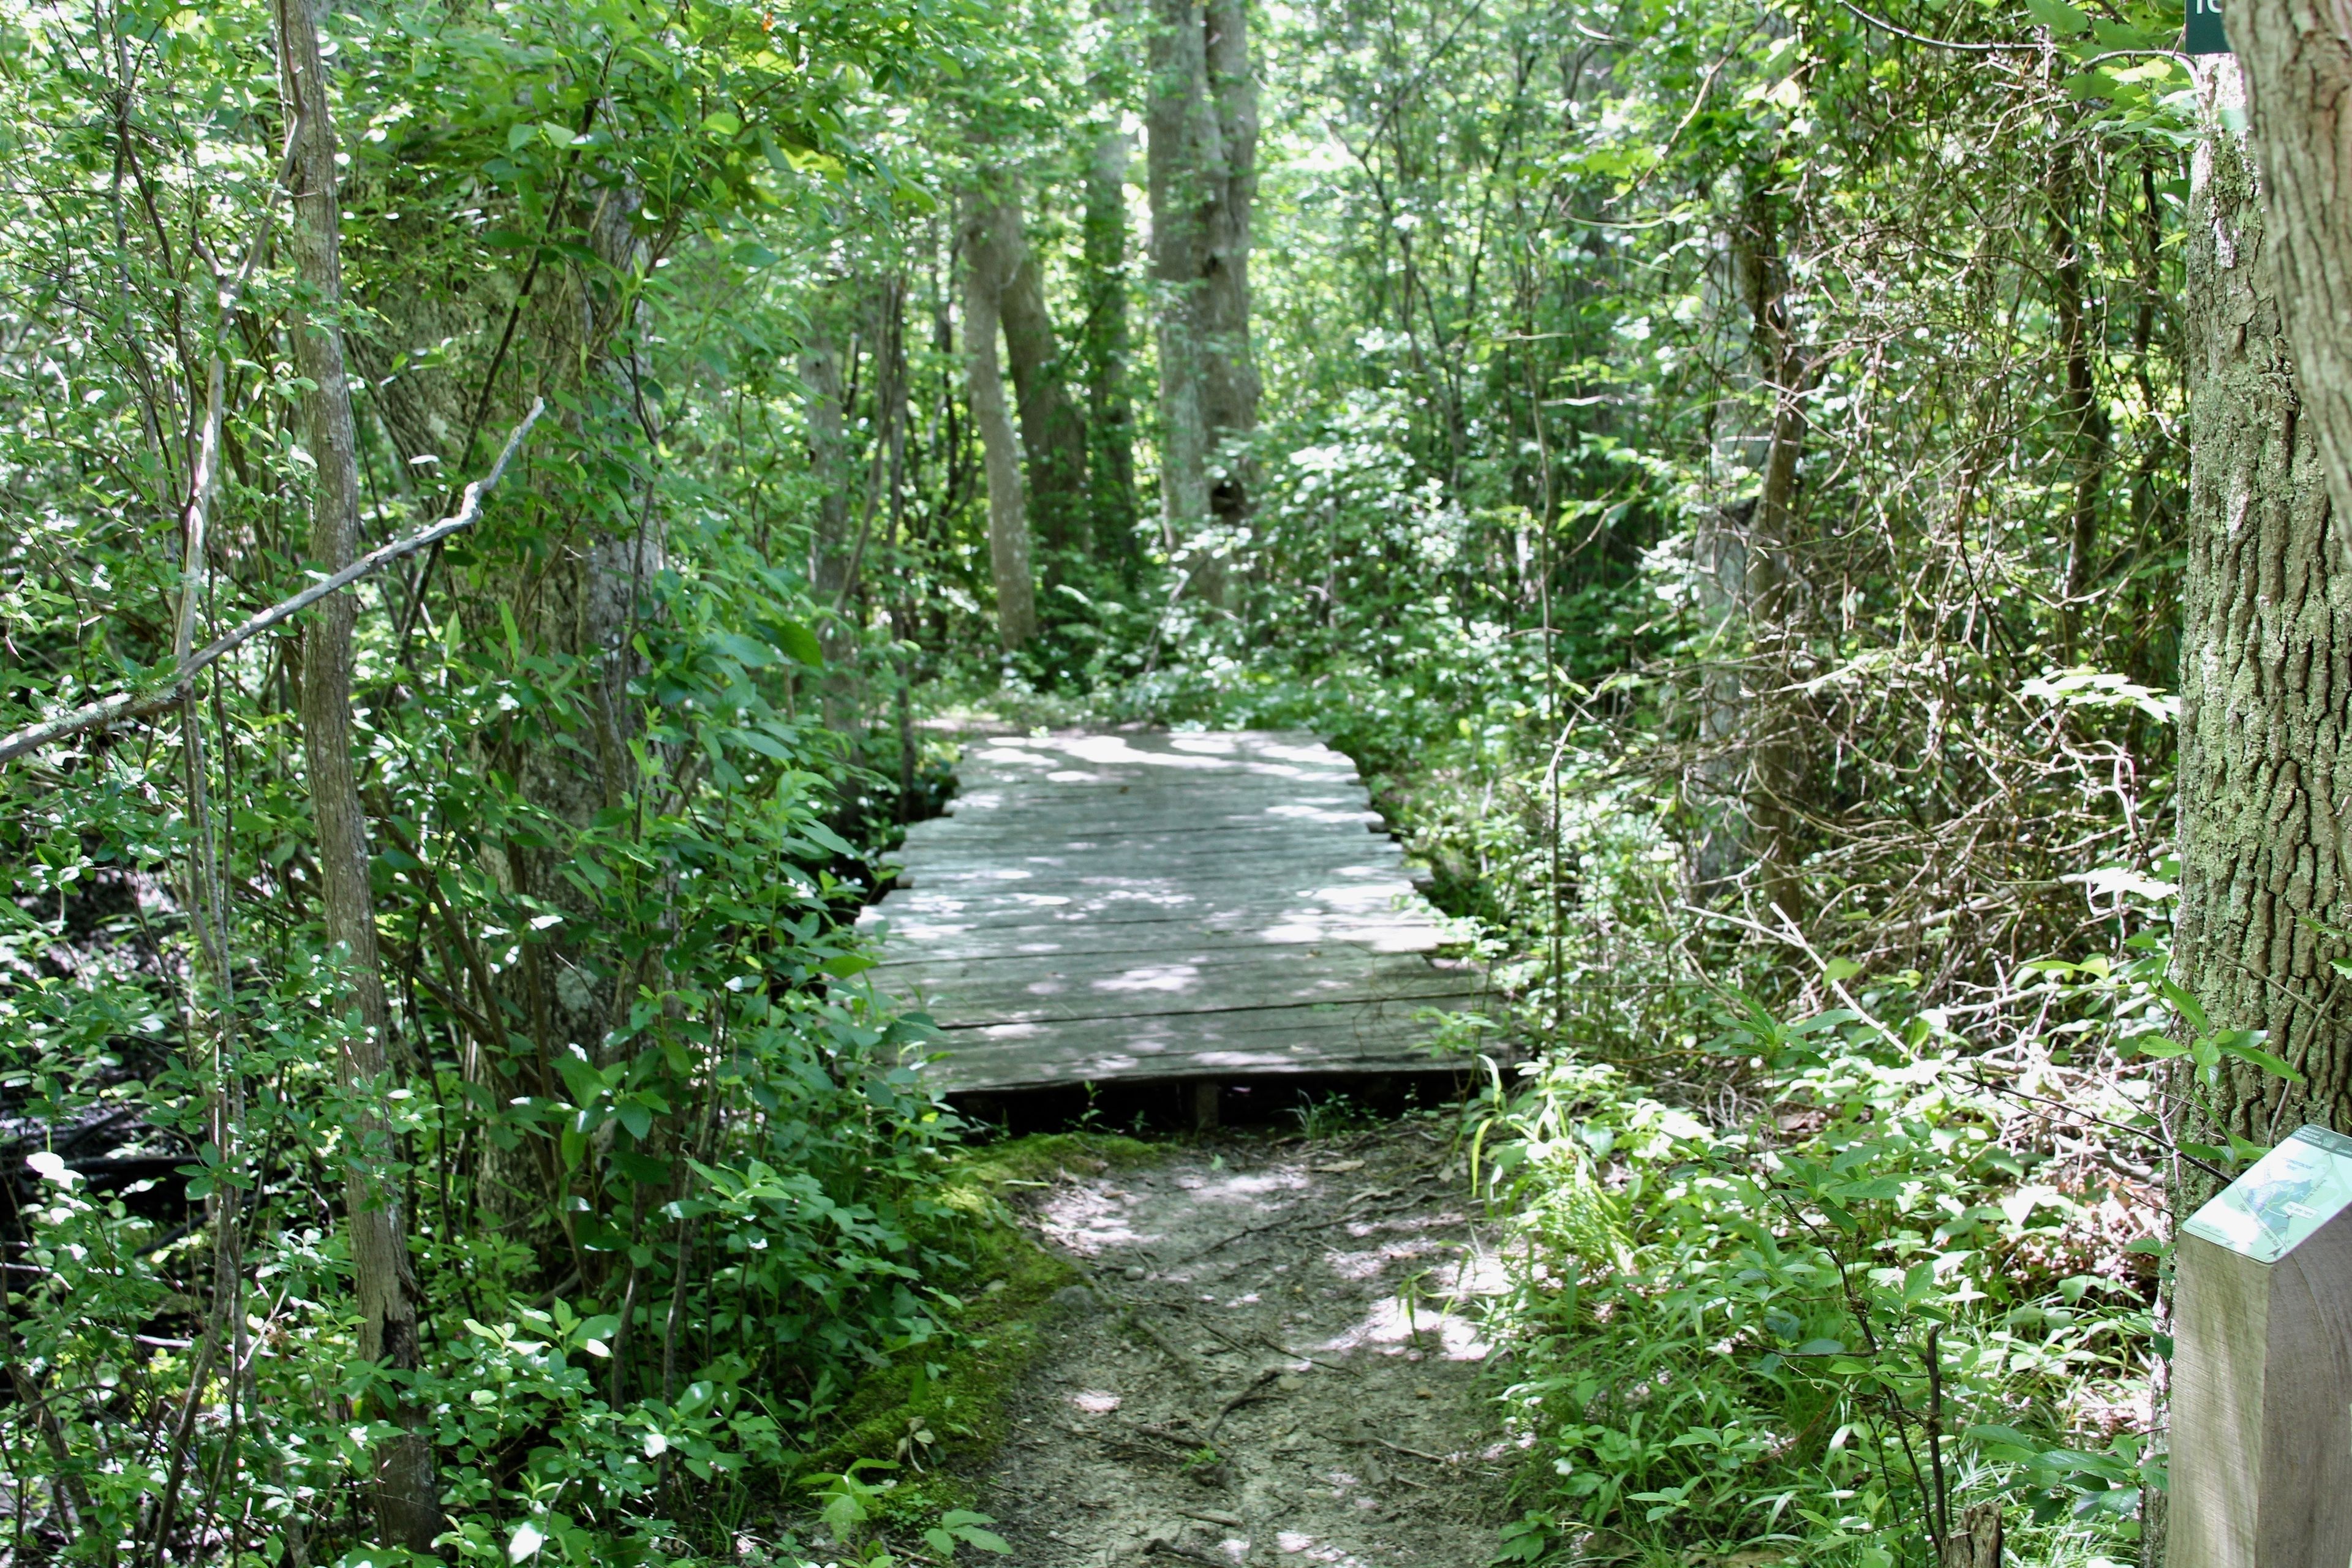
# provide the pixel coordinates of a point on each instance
(1725, 1331)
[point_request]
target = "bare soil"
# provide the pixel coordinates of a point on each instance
(1277, 1362)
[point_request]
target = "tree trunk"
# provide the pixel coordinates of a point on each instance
(1719, 850)
(1051, 432)
(2266, 647)
(2297, 60)
(1104, 348)
(1202, 125)
(2071, 296)
(828, 565)
(830, 545)
(1776, 759)
(2266, 707)
(406, 1498)
(1008, 521)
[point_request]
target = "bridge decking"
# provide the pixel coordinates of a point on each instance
(1146, 905)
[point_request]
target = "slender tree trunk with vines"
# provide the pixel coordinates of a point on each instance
(1104, 349)
(1771, 558)
(1008, 517)
(406, 1495)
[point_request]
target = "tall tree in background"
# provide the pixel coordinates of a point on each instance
(1202, 115)
(407, 1505)
(829, 543)
(1773, 552)
(1053, 436)
(985, 281)
(1104, 349)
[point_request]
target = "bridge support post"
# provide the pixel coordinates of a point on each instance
(1205, 1092)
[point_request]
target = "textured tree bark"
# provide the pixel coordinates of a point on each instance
(2266, 674)
(2296, 56)
(831, 548)
(2071, 297)
(405, 1497)
(1104, 349)
(1203, 157)
(1008, 521)
(828, 564)
(1776, 759)
(1719, 851)
(1051, 431)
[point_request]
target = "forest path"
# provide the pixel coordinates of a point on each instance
(1277, 1364)
(1148, 905)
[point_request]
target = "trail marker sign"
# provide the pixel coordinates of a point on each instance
(2203, 35)
(2262, 1411)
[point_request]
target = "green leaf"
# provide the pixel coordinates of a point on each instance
(2058, 17)
(581, 1078)
(744, 650)
(2187, 1007)
(766, 746)
(828, 839)
(800, 642)
(2237, 1043)
(2004, 1437)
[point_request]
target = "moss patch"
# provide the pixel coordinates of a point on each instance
(957, 1391)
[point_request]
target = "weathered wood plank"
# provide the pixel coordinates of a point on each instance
(1054, 834)
(1226, 910)
(1025, 991)
(1185, 812)
(917, 943)
(1104, 868)
(1331, 1038)
(921, 944)
(1158, 960)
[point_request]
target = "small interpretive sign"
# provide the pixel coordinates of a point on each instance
(2203, 35)
(2278, 1205)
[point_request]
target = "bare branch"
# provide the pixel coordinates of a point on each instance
(129, 705)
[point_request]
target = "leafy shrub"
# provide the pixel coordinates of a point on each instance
(1722, 1332)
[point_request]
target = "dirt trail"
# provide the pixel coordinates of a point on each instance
(1277, 1364)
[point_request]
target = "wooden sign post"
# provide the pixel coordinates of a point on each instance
(2262, 1410)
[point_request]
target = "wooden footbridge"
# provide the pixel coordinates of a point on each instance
(1142, 905)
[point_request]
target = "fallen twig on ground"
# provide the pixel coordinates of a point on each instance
(1245, 1397)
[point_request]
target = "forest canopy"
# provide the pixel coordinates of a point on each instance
(1815, 519)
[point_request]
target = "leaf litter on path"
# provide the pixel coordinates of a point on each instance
(1258, 1376)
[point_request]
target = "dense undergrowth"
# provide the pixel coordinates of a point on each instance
(1722, 473)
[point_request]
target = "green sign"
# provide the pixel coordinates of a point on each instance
(2276, 1206)
(2203, 36)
